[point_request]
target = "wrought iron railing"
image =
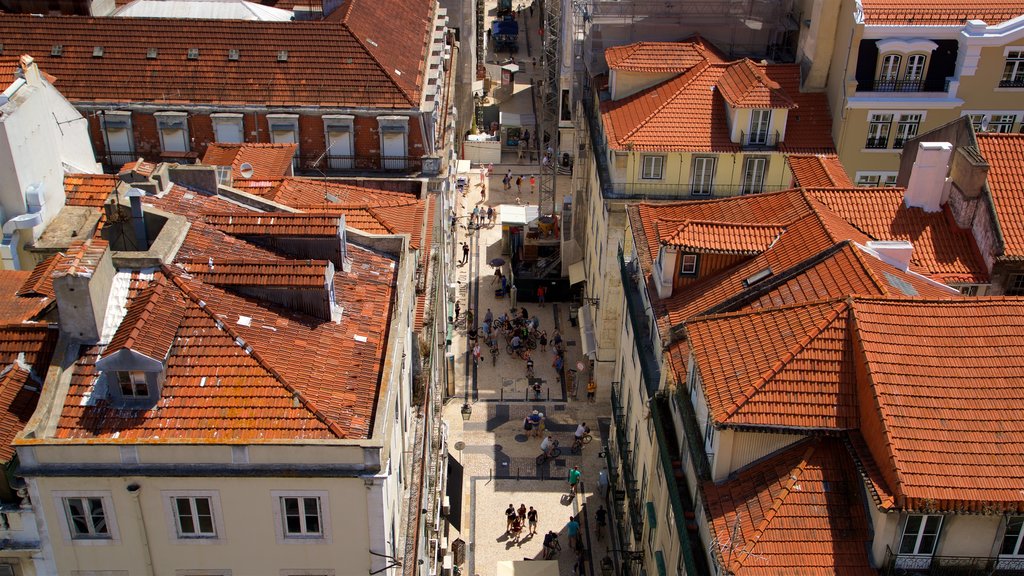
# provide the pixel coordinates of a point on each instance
(883, 84)
(693, 438)
(359, 163)
(759, 140)
(117, 159)
(896, 564)
(1018, 83)
(876, 143)
(641, 325)
(660, 191)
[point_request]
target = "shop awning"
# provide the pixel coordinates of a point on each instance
(576, 273)
(588, 340)
(454, 492)
(513, 119)
(517, 215)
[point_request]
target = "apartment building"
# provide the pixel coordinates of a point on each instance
(353, 96)
(195, 423)
(893, 71)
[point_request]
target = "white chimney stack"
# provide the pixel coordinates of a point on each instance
(894, 252)
(928, 187)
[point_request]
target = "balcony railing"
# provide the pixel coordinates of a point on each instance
(360, 163)
(115, 160)
(877, 143)
(661, 191)
(1019, 83)
(913, 565)
(759, 140)
(694, 440)
(641, 325)
(883, 84)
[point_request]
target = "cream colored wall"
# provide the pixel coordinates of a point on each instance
(843, 67)
(981, 90)
(740, 122)
(737, 449)
(677, 176)
(249, 545)
(623, 84)
(970, 536)
(884, 527)
(818, 40)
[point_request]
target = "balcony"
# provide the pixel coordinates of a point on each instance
(907, 565)
(661, 191)
(759, 140)
(1017, 83)
(332, 163)
(906, 85)
(114, 160)
(641, 325)
(877, 143)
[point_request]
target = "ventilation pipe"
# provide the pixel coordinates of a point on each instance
(138, 219)
(8, 246)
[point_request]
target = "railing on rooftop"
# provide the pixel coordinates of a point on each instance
(359, 163)
(641, 325)
(877, 143)
(115, 160)
(883, 84)
(759, 140)
(915, 565)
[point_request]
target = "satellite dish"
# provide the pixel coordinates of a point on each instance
(245, 170)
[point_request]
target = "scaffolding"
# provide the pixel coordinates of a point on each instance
(550, 95)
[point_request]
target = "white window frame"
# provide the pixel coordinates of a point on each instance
(879, 128)
(1018, 549)
(690, 269)
(277, 501)
(174, 121)
(911, 67)
(647, 172)
(875, 178)
(135, 379)
(748, 185)
(889, 67)
(170, 498)
(109, 514)
(982, 120)
(703, 178)
(920, 535)
(907, 127)
(760, 126)
(393, 125)
(224, 119)
(1013, 66)
(119, 118)
(340, 123)
(281, 120)
(1002, 123)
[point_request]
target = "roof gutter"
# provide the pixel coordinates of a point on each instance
(94, 106)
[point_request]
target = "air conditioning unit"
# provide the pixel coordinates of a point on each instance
(446, 506)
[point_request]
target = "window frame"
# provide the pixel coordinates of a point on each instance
(704, 186)
(174, 533)
(646, 172)
(887, 72)
(748, 187)
(130, 379)
(689, 270)
(1013, 69)
(879, 129)
(760, 126)
(113, 536)
(904, 126)
(921, 534)
(1015, 285)
(174, 121)
(997, 123)
(225, 119)
(915, 57)
(280, 517)
(1018, 538)
(194, 516)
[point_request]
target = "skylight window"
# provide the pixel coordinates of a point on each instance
(97, 51)
(900, 284)
(233, 54)
(57, 50)
(193, 53)
(152, 53)
(282, 56)
(757, 277)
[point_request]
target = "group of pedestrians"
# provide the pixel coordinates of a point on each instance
(518, 518)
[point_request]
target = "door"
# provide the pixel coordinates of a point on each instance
(120, 148)
(392, 148)
(759, 120)
(753, 175)
(339, 148)
(285, 132)
(173, 134)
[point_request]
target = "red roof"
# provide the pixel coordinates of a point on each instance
(688, 112)
(150, 323)
(661, 57)
(266, 273)
(942, 402)
(82, 258)
(942, 250)
(40, 281)
(18, 304)
(9, 66)
(1005, 156)
(90, 190)
(722, 237)
(373, 55)
(268, 161)
(745, 85)
(818, 171)
(798, 512)
(940, 12)
(25, 354)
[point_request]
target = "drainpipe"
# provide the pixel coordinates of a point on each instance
(8, 246)
(134, 489)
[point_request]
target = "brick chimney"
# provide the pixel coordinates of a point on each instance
(82, 285)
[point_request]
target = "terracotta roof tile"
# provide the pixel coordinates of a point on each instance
(940, 12)
(267, 273)
(1005, 156)
(798, 512)
(744, 85)
(818, 171)
(809, 126)
(9, 67)
(275, 224)
(150, 323)
(82, 258)
(18, 304)
(942, 401)
(789, 367)
(140, 167)
(722, 237)
(376, 58)
(25, 354)
(40, 280)
(303, 191)
(268, 161)
(942, 250)
(661, 57)
(90, 190)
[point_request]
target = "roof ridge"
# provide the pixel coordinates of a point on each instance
(794, 475)
(781, 307)
(789, 356)
(380, 218)
(693, 74)
(296, 393)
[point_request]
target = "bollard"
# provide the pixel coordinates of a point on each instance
(502, 397)
(549, 393)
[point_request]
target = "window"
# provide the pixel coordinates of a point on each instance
(117, 128)
(301, 516)
(652, 167)
(978, 121)
(878, 131)
(193, 516)
(284, 129)
(759, 120)
(890, 69)
(1012, 539)
(173, 127)
(920, 534)
(1002, 123)
(709, 435)
(227, 128)
(87, 517)
(1015, 287)
(753, 175)
(394, 132)
(703, 176)
(688, 265)
(1013, 71)
(133, 384)
(338, 129)
(906, 128)
(968, 289)
(868, 179)
(915, 68)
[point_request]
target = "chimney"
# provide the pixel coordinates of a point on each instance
(138, 219)
(665, 270)
(346, 263)
(30, 70)
(928, 187)
(968, 171)
(896, 252)
(82, 284)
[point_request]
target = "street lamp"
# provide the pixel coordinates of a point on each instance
(467, 411)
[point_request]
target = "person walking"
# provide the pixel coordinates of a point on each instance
(573, 529)
(531, 518)
(510, 517)
(488, 316)
(508, 177)
(541, 292)
(591, 391)
(519, 184)
(533, 183)
(522, 513)
(476, 354)
(543, 341)
(458, 310)
(465, 254)
(490, 215)
(574, 478)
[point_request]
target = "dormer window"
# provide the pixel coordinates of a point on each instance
(133, 384)
(759, 122)
(689, 265)
(890, 69)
